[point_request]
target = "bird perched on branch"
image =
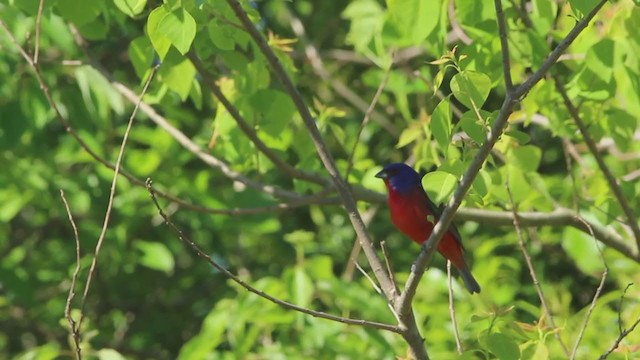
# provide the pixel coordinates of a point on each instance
(415, 215)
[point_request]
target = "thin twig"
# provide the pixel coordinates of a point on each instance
(316, 137)
(452, 310)
(248, 130)
(112, 193)
(589, 311)
(74, 328)
(532, 272)
(593, 301)
(196, 249)
(36, 51)
(591, 144)
(387, 262)
(340, 88)
(455, 25)
(619, 339)
(408, 327)
(620, 323)
(441, 227)
(365, 121)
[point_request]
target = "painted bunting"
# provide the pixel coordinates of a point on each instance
(415, 215)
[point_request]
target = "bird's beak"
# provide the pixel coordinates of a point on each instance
(382, 174)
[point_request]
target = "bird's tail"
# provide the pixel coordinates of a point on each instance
(468, 279)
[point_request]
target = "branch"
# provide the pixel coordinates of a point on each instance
(444, 222)
(196, 249)
(112, 193)
(452, 310)
(340, 88)
(619, 340)
(316, 137)
(591, 144)
(74, 329)
(532, 272)
(36, 51)
(588, 316)
(365, 121)
(409, 329)
(248, 130)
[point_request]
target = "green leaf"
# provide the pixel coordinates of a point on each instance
(79, 12)
(525, 157)
(367, 19)
(622, 127)
(518, 184)
(131, 8)
(472, 127)
(471, 88)
(439, 185)
(503, 347)
(176, 27)
(155, 255)
(301, 287)
(178, 77)
(408, 136)
(415, 19)
(482, 183)
(520, 136)
(275, 110)
(141, 55)
(220, 35)
(600, 59)
(582, 248)
(109, 354)
(582, 7)
(441, 124)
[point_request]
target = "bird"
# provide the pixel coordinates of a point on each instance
(414, 214)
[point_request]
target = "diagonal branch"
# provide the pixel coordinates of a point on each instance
(591, 144)
(248, 129)
(112, 194)
(443, 224)
(196, 249)
(74, 329)
(532, 271)
(408, 326)
(339, 87)
(321, 147)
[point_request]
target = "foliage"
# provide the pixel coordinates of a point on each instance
(153, 298)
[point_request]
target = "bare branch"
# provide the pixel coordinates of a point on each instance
(340, 88)
(408, 327)
(591, 144)
(195, 149)
(532, 271)
(443, 224)
(74, 328)
(196, 249)
(557, 52)
(248, 129)
(619, 340)
(588, 316)
(316, 137)
(36, 51)
(112, 193)
(452, 310)
(365, 121)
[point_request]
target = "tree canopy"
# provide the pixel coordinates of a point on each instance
(195, 179)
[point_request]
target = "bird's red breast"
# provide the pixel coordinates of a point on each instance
(411, 214)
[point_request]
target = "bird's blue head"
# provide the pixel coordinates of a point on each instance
(400, 177)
